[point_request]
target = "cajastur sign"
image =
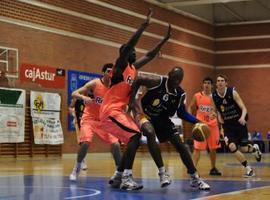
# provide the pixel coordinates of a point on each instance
(45, 76)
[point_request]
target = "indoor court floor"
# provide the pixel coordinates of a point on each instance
(41, 178)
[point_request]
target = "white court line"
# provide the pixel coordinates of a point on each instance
(95, 192)
(231, 193)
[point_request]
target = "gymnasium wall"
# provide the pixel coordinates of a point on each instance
(243, 54)
(82, 35)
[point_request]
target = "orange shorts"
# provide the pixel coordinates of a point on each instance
(121, 125)
(212, 141)
(89, 127)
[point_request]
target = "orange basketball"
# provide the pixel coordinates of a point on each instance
(200, 132)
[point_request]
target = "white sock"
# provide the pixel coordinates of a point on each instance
(195, 175)
(127, 172)
(162, 170)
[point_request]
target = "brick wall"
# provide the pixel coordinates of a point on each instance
(81, 35)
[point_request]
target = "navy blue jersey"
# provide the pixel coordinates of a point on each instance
(159, 102)
(227, 106)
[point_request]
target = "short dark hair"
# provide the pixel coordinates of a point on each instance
(208, 79)
(106, 66)
(223, 76)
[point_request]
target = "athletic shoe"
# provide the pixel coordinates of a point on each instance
(214, 172)
(83, 165)
(116, 180)
(75, 172)
(197, 182)
(129, 184)
(249, 172)
(257, 153)
(164, 179)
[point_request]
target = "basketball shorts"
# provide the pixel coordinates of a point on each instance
(89, 127)
(212, 141)
(236, 133)
(121, 125)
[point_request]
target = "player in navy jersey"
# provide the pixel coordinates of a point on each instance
(233, 116)
(163, 98)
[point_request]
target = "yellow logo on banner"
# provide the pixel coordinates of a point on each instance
(39, 103)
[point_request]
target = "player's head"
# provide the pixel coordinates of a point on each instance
(175, 77)
(132, 53)
(222, 81)
(107, 70)
(207, 84)
(107, 67)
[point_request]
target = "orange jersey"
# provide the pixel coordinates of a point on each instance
(91, 110)
(117, 97)
(205, 109)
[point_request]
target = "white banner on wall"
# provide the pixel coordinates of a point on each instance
(45, 112)
(12, 115)
(47, 131)
(44, 104)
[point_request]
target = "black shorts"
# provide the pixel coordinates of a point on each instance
(236, 133)
(164, 128)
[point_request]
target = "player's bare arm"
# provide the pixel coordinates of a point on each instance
(192, 104)
(153, 52)
(122, 61)
(82, 92)
(143, 79)
(241, 104)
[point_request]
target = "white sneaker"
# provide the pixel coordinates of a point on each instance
(83, 165)
(249, 172)
(199, 183)
(75, 172)
(129, 184)
(164, 179)
(257, 153)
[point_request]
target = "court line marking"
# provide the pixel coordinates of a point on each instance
(231, 193)
(96, 192)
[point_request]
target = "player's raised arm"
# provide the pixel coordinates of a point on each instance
(126, 49)
(153, 52)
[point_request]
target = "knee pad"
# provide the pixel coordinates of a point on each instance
(232, 146)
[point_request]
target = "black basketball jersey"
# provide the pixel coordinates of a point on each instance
(227, 106)
(159, 102)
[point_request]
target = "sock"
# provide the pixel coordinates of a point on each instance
(161, 170)
(127, 172)
(194, 175)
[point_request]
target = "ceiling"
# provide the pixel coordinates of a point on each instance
(220, 11)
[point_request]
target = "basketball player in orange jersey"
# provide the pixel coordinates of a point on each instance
(115, 118)
(204, 105)
(90, 123)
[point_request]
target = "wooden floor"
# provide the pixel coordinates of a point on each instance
(101, 165)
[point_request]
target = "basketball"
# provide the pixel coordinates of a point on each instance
(200, 132)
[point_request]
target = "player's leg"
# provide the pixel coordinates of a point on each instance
(86, 137)
(122, 126)
(213, 144)
(149, 131)
(246, 147)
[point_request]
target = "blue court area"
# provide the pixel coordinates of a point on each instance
(59, 187)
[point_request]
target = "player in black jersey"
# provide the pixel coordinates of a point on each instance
(163, 98)
(233, 116)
